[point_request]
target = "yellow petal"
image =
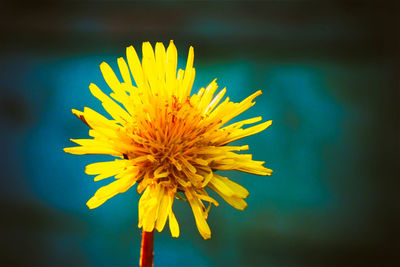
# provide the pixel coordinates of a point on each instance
(111, 79)
(190, 59)
(80, 116)
(199, 215)
(172, 60)
(173, 224)
(188, 165)
(81, 150)
(151, 206)
(164, 210)
(221, 186)
(160, 60)
(207, 198)
(207, 95)
(108, 191)
(189, 75)
(233, 200)
(253, 167)
(97, 120)
(187, 83)
(238, 190)
(93, 143)
(142, 205)
(241, 133)
(215, 101)
(201, 161)
(123, 67)
(243, 122)
(238, 108)
(105, 169)
(207, 178)
(135, 66)
(116, 111)
(150, 215)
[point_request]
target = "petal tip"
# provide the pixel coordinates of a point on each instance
(91, 204)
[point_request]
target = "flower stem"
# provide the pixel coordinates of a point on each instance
(146, 250)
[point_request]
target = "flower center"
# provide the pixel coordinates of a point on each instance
(168, 140)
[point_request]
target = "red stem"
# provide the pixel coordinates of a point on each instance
(146, 250)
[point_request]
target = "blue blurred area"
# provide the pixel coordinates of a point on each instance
(331, 90)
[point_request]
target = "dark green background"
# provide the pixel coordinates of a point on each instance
(330, 76)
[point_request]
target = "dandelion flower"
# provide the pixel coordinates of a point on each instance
(167, 141)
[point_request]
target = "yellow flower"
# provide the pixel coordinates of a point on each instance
(166, 141)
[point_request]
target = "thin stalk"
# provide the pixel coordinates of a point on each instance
(146, 250)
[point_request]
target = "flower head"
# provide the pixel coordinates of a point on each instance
(167, 141)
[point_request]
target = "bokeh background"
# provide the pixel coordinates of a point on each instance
(329, 72)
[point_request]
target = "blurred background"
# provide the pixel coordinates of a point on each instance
(329, 72)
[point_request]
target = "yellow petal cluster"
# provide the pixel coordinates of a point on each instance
(167, 141)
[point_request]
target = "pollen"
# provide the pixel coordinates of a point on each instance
(168, 141)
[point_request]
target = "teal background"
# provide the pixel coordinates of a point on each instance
(329, 73)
